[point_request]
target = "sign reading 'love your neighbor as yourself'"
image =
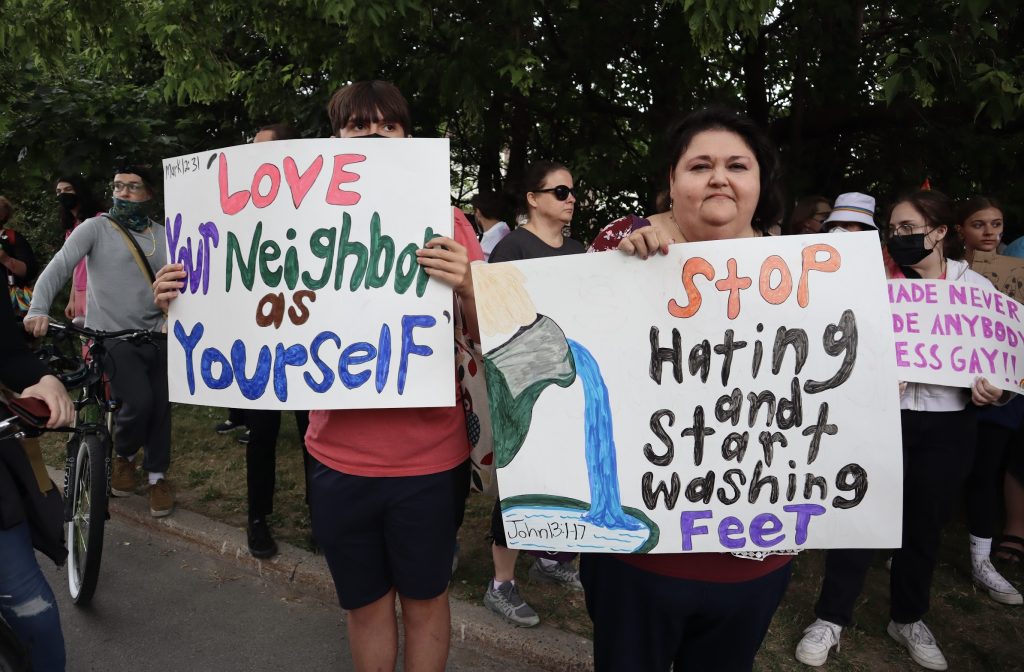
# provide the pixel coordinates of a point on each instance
(303, 289)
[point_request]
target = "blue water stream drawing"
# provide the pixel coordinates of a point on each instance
(517, 372)
(605, 501)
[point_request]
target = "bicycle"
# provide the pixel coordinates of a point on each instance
(89, 449)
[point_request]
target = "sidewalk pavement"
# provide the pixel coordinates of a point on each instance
(541, 646)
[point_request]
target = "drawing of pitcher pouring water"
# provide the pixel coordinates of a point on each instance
(537, 356)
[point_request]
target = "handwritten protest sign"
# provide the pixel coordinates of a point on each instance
(1006, 273)
(732, 396)
(949, 333)
(303, 289)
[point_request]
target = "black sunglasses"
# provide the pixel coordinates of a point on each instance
(561, 192)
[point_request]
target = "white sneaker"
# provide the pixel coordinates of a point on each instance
(987, 577)
(819, 638)
(920, 642)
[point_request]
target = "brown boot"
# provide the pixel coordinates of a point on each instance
(161, 499)
(122, 481)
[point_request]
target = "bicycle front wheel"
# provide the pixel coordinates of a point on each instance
(88, 514)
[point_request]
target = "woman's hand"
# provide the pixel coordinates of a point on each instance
(644, 242)
(52, 393)
(984, 393)
(447, 260)
(37, 326)
(167, 286)
(69, 310)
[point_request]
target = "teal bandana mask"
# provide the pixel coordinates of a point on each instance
(133, 214)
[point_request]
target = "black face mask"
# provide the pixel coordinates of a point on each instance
(67, 200)
(908, 250)
(372, 135)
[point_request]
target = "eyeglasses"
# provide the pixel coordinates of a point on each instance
(905, 229)
(561, 192)
(130, 187)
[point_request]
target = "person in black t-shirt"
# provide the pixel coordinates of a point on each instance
(548, 200)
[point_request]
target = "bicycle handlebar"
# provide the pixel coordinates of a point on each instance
(29, 418)
(129, 334)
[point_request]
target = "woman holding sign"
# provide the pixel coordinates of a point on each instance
(699, 611)
(939, 433)
(980, 226)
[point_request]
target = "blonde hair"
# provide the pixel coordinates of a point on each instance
(506, 305)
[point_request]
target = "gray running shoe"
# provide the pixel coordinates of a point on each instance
(507, 603)
(564, 574)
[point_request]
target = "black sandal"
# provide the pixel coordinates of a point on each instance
(1016, 555)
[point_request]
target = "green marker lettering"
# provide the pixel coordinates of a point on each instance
(270, 251)
(375, 277)
(234, 253)
(321, 244)
(345, 248)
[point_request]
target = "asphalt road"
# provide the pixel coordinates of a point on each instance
(162, 605)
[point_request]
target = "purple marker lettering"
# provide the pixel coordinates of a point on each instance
(727, 531)
(689, 530)
(763, 527)
(804, 513)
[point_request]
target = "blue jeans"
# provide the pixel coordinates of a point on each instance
(27, 603)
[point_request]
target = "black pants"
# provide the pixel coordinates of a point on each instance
(236, 416)
(645, 622)
(938, 450)
(985, 484)
(138, 378)
(261, 457)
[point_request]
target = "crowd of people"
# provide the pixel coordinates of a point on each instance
(387, 488)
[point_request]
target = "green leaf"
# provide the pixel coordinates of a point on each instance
(891, 87)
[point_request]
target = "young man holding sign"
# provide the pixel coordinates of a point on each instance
(388, 486)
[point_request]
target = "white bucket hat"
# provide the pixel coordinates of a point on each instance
(853, 207)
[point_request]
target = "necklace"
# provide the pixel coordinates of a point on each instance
(679, 229)
(152, 239)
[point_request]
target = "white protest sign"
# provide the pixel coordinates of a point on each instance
(731, 396)
(951, 332)
(303, 289)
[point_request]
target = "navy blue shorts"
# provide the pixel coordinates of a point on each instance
(384, 533)
(648, 623)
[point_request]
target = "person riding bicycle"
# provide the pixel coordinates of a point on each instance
(123, 249)
(31, 512)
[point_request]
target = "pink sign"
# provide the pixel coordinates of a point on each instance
(951, 333)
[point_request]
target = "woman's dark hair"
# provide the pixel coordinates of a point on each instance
(969, 206)
(681, 134)
(804, 209)
(534, 180)
(7, 209)
(362, 102)
(88, 206)
(937, 210)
